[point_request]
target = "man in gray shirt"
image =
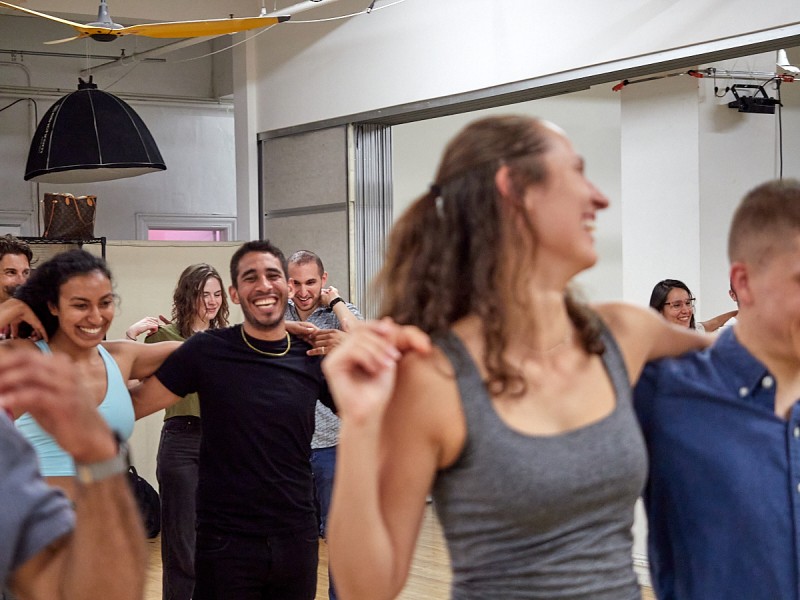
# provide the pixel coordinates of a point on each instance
(330, 315)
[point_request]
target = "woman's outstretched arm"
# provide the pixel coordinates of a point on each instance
(643, 335)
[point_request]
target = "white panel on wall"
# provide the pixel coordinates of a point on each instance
(591, 119)
(324, 234)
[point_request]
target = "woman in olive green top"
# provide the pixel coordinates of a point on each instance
(199, 303)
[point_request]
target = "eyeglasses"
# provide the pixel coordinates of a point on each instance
(679, 304)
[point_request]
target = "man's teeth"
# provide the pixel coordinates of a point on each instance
(267, 302)
(589, 225)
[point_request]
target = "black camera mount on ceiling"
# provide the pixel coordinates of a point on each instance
(753, 104)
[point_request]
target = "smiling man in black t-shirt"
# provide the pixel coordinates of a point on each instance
(256, 527)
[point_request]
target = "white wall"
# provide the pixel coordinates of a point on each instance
(418, 50)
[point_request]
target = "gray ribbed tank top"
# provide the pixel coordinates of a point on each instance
(541, 516)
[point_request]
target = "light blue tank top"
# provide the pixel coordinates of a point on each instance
(116, 409)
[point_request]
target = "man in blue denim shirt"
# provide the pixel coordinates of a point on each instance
(723, 427)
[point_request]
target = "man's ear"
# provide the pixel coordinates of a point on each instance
(740, 280)
(234, 294)
(324, 278)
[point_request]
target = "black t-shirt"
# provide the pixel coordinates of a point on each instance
(257, 422)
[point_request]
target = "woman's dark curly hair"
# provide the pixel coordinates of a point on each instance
(188, 291)
(43, 287)
(464, 249)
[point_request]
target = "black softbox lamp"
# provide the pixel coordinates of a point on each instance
(91, 135)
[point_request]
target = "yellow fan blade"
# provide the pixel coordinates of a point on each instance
(185, 29)
(69, 39)
(43, 15)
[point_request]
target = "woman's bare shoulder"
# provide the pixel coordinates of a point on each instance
(426, 399)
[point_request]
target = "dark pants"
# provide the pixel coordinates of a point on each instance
(323, 465)
(176, 470)
(256, 568)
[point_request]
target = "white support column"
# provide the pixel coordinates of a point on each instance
(245, 106)
(660, 194)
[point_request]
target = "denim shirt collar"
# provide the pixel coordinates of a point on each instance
(747, 377)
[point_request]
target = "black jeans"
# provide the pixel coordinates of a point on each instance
(176, 470)
(323, 465)
(256, 567)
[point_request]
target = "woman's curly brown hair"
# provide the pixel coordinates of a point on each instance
(463, 249)
(188, 291)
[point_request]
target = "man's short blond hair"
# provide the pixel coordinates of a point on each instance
(767, 220)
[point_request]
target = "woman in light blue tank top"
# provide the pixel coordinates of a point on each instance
(72, 296)
(519, 419)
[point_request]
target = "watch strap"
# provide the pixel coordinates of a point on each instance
(94, 472)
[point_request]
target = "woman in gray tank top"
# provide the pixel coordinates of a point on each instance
(518, 418)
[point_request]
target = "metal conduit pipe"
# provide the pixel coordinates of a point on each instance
(155, 99)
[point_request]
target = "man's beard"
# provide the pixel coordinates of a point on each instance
(9, 290)
(255, 323)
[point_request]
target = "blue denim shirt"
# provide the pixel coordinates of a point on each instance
(723, 496)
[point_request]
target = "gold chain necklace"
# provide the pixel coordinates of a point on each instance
(273, 354)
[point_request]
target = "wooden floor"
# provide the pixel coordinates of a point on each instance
(429, 578)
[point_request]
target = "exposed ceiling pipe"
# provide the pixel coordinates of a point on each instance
(167, 48)
(157, 99)
(52, 54)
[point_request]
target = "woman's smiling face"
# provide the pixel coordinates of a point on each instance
(85, 308)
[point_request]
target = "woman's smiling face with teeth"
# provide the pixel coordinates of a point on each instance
(680, 316)
(85, 308)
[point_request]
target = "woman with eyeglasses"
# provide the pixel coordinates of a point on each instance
(674, 300)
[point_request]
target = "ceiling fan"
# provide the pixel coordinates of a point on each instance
(105, 30)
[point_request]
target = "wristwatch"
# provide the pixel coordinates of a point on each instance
(93, 472)
(335, 301)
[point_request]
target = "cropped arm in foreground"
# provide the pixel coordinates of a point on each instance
(105, 554)
(379, 493)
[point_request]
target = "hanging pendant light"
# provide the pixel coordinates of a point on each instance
(91, 135)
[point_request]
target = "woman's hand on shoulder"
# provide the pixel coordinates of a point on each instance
(148, 325)
(302, 329)
(361, 370)
(13, 312)
(643, 335)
